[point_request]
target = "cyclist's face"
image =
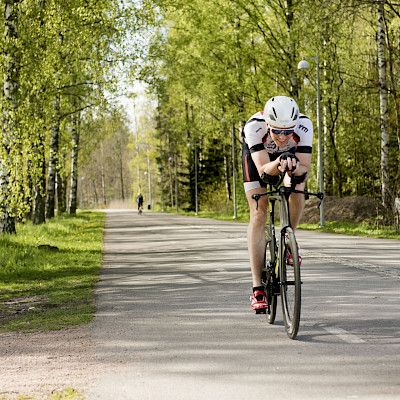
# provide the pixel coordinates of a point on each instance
(280, 136)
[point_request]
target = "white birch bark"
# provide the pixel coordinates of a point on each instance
(384, 113)
(73, 197)
(53, 160)
(10, 93)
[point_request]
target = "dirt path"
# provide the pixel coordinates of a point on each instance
(39, 364)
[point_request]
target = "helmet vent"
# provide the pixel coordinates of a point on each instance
(281, 111)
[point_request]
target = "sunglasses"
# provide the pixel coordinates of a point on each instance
(285, 132)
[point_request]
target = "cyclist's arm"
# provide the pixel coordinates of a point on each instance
(304, 163)
(263, 163)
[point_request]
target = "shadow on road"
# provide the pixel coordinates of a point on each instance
(174, 301)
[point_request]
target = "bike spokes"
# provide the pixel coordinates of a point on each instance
(290, 283)
(269, 277)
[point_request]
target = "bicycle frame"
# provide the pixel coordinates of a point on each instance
(279, 277)
(282, 194)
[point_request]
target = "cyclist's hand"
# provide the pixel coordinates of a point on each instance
(288, 162)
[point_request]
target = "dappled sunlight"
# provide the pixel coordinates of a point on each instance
(174, 300)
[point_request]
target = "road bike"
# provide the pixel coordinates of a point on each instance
(279, 277)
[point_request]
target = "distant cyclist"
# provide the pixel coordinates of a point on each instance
(276, 141)
(139, 201)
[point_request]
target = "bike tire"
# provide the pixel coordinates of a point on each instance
(272, 309)
(290, 281)
(270, 263)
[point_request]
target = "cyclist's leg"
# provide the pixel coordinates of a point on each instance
(256, 234)
(256, 247)
(296, 207)
(256, 229)
(296, 202)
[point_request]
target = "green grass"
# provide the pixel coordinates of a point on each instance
(241, 217)
(50, 288)
(340, 227)
(64, 394)
(67, 394)
(354, 228)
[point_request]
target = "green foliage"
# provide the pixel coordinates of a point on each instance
(105, 174)
(223, 59)
(210, 65)
(72, 50)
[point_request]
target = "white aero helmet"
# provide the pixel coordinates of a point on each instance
(281, 112)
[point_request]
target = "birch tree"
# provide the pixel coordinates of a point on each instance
(75, 135)
(9, 114)
(384, 113)
(53, 158)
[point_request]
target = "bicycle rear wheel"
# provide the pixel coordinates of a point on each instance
(270, 278)
(290, 283)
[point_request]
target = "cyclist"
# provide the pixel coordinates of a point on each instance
(139, 201)
(277, 140)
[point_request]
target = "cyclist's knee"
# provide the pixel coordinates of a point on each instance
(299, 181)
(258, 216)
(258, 209)
(300, 186)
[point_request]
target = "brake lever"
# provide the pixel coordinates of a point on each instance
(256, 197)
(320, 196)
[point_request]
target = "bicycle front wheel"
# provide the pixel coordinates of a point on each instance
(290, 283)
(270, 276)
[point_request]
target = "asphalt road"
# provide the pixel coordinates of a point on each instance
(174, 319)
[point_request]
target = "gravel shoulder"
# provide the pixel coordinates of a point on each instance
(43, 363)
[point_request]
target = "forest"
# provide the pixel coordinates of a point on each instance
(207, 66)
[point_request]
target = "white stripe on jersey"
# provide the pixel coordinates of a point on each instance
(256, 132)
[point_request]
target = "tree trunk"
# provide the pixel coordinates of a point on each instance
(96, 196)
(103, 179)
(384, 113)
(176, 183)
(393, 44)
(39, 178)
(74, 166)
(239, 68)
(121, 172)
(61, 186)
(294, 83)
(39, 206)
(39, 185)
(53, 159)
(227, 169)
(10, 103)
(39, 190)
(103, 186)
(7, 222)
